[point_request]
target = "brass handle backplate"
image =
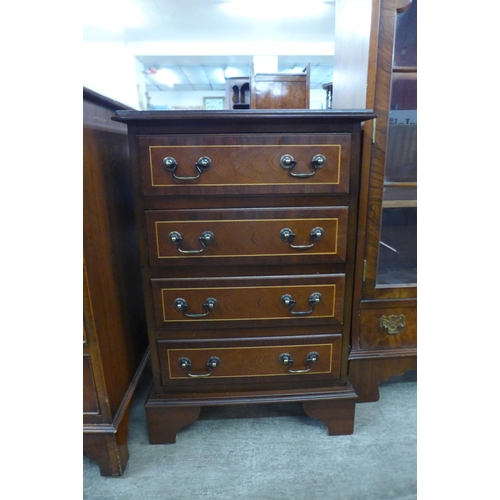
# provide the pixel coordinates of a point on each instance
(288, 301)
(392, 324)
(287, 360)
(205, 239)
(288, 162)
(202, 165)
(209, 305)
(212, 363)
(288, 236)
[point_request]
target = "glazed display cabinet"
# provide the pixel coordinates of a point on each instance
(384, 327)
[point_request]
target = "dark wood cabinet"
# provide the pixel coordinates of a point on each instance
(270, 90)
(384, 327)
(280, 90)
(114, 326)
(247, 224)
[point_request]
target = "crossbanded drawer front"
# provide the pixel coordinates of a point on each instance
(231, 234)
(388, 328)
(315, 357)
(203, 301)
(225, 164)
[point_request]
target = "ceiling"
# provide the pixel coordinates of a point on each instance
(196, 40)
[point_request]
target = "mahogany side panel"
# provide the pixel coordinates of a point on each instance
(115, 343)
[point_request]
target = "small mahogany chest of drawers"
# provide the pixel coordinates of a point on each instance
(247, 230)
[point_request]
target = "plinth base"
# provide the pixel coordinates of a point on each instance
(166, 415)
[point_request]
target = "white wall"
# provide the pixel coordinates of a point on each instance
(352, 44)
(111, 69)
(317, 99)
(188, 99)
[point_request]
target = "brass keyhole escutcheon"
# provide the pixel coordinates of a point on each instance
(392, 324)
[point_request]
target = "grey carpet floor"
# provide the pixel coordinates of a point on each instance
(272, 452)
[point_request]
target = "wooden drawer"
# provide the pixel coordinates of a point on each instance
(234, 236)
(250, 359)
(247, 299)
(388, 328)
(244, 164)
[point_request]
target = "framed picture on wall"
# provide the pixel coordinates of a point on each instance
(211, 103)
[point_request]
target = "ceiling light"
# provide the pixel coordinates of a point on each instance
(275, 9)
(165, 77)
(234, 73)
(219, 74)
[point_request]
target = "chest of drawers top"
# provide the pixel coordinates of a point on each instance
(255, 120)
(224, 153)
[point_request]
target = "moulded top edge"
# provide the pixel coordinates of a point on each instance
(352, 115)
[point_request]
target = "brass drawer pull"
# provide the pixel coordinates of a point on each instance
(288, 236)
(286, 359)
(209, 305)
(393, 324)
(206, 238)
(212, 363)
(288, 301)
(288, 162)
(203, 164)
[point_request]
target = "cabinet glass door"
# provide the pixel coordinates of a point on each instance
(397, 256)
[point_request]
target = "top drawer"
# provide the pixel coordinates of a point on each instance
(245, 164)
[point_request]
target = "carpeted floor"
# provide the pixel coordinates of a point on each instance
(272, 452)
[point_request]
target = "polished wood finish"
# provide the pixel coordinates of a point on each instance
(249, 299)
(376, 354)
(337, 414)
(167, 415)
(90, 401)
(164, 422)
(115, 342)
(245, 360)
(108, 447)
(373, 335)
(366, 373)
(280, 90)
(269, 91)
(248, 164)
(247, 196)
(242, 236)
